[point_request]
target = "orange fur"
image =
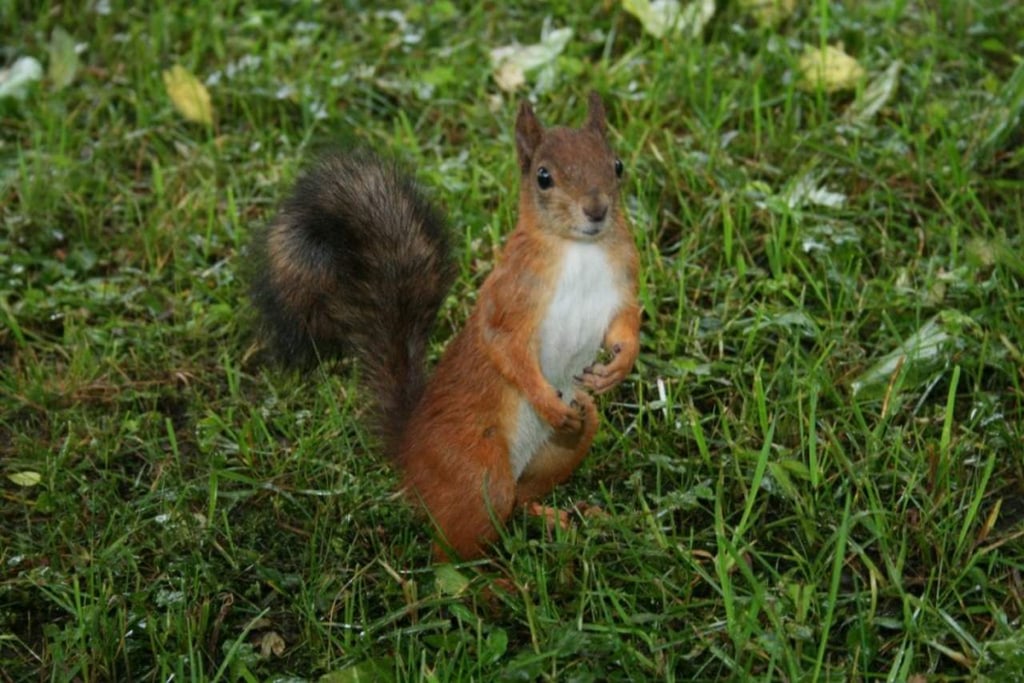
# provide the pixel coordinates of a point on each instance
(454, 453)
(357, 263)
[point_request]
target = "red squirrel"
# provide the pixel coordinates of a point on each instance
(358, 263)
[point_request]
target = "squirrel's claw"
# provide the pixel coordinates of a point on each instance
(574, 421)
(563, 417)
(601, 377)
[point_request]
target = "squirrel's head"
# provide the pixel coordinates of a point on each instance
(570, 178)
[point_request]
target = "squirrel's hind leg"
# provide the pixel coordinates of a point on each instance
(468, 525)
(466, 500)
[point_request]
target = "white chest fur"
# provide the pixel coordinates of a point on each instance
(582, 306)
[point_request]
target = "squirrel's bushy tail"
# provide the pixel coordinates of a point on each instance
(356, 263)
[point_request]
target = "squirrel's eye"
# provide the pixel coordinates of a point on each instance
(618, 168)
(544, 179)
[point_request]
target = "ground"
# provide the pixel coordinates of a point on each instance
(815, 471)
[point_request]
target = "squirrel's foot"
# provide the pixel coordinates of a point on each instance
(589, 510)
(553, 517)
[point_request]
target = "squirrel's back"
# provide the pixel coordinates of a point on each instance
(357, 262)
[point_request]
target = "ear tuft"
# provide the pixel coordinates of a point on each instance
(596, 120)
(528, 135)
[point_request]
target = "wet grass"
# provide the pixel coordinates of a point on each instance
(814, 473)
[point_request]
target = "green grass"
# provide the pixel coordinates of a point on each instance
(815, 472)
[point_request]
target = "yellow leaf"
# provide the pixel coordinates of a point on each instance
(25, 478)
(829, 69)
(768, 13)
(189, 95)
(63, 59)
(271, 643)
(661, 18)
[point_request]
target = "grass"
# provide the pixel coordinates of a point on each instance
(815, 472)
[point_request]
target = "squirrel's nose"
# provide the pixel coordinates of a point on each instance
(596, 210)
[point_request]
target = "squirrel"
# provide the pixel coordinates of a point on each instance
(357, 262)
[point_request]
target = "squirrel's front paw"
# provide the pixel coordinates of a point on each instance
(561, 416)
(601, 377)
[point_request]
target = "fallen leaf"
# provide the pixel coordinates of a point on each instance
(875, 96)
(449, 580)
(807, 190)
(829, 69)
(271, 643)
(63, 59)
(25, 479)
(663, 17)
(768, 13)
(1002, 119)
(189, 96)
(14, 81)
(511, 63)
(510, 77)
(984, 252)
(922, 354)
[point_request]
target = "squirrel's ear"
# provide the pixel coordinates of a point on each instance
(596, 120)
(528, 135)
